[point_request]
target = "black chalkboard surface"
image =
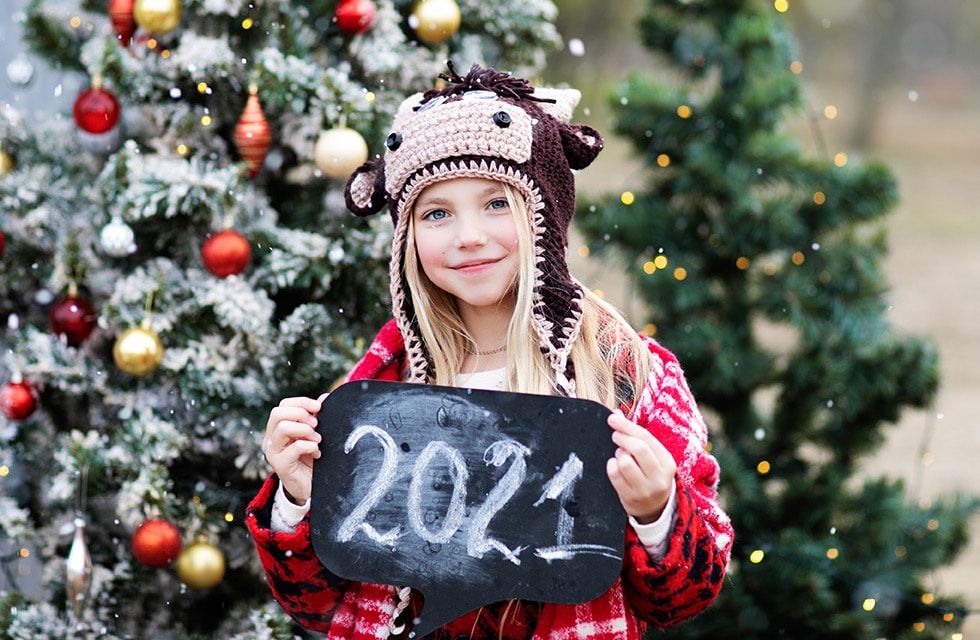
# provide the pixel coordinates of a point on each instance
(469, 496)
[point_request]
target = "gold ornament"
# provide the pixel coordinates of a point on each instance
(201, 565)
(157, 16)
(338, 152)
(138, 350)
(435, 20)
(6, 163)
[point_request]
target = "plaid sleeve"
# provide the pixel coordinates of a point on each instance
(300, 583)
(690, 575)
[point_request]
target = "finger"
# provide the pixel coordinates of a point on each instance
(635, 438)
(282, 433)
(621, 424)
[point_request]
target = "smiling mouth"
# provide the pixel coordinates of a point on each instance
(469, 266)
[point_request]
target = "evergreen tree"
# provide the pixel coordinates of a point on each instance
(138, 364)
(760, 268)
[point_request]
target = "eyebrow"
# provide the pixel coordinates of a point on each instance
(437, 201)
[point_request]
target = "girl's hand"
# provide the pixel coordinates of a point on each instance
(642, 470)
(291, 444)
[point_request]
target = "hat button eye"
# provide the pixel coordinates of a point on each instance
(501, 119)
(394, 141)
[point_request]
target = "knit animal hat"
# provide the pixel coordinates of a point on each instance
(489, 125)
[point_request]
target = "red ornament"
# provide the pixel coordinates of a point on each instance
(156, 543)
(18, 400)
(355, 16)
(121, 15)
(2, 243)
(73, 317)
(96, 110)
(253, 135)
(226, 253)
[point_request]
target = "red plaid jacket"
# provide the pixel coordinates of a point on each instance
(661, 593)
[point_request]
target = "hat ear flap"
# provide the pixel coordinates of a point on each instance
(581, 143)
(365, 191)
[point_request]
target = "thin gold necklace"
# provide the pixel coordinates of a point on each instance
(489, 352)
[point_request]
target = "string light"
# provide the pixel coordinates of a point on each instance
(680, 273)
(75, 22)
(247, 23)
(796, 67)
(663, 160)
(819, 198)
(830, 112)
(840, 159)
(649, 267)
(660, 262)
(742, 263)
(583, 250)
(763, 467)
(627, 198)
(798, 258)
(869, 604)
(833, 553)
(782, 6)
(684, 111)
(757, 556)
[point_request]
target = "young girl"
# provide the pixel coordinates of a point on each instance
(478, 180)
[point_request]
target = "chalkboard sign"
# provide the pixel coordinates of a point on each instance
(469, 496)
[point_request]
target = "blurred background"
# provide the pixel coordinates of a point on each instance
(895, 80)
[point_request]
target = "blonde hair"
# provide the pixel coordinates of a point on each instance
(611, 361)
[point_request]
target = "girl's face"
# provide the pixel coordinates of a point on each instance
(467, 242)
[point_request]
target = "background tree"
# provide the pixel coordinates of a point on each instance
(175, 256)
(761, 270)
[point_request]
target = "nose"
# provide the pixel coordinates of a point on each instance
(470, 231)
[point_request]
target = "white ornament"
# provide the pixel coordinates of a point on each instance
(20, 71)
(117, 238)
(338, 152)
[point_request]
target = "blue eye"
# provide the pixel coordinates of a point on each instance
(435, 215)
(499, 204)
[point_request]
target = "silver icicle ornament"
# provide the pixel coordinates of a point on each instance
(78, 570)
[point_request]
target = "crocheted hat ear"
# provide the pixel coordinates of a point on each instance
(565, 101)
(365, 191)
(581, 143)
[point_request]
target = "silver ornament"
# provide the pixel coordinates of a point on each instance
(78, 570)
(102, 143)
(117, 239)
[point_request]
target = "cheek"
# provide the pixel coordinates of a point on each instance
(429, 254)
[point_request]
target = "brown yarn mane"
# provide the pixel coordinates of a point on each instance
(485, 79)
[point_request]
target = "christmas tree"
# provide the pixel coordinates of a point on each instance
(175, 257)
(760, 267)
